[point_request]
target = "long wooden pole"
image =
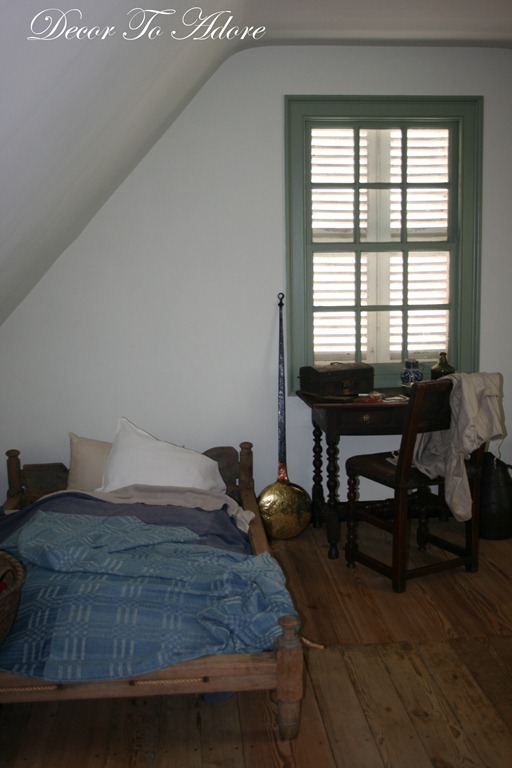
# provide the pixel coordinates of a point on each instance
(282, 472)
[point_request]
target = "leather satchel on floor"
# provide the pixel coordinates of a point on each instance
(496, 499)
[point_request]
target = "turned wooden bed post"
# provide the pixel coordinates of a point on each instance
(290, 677)
(246, 478)
(13, 473)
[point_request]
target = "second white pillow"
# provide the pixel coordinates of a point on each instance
(139, 458)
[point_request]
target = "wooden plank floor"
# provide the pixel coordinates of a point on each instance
(423, 678)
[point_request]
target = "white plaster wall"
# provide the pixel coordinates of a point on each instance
(164, 310)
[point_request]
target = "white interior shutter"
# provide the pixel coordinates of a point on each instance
(376, 305)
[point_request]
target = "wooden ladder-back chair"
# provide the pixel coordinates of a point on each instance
(428, 411)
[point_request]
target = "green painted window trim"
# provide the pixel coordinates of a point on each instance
(467, 113)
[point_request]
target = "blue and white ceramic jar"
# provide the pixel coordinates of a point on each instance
(412, 372)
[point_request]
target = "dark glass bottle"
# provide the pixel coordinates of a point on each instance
(442, 367)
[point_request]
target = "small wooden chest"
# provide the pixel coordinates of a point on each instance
(337, 379)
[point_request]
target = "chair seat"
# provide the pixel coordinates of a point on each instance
(381, 468)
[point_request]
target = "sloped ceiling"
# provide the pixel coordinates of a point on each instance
(77, 115)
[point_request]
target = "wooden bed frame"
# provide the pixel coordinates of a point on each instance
(280, 670)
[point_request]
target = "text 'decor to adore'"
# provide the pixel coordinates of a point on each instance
(193, 24)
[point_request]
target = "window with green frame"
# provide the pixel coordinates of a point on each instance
(383, 206)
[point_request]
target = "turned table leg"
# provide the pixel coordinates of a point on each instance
(351, 543)
(318, 489)
(333, 507)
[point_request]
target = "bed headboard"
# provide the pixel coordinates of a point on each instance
(29, 482)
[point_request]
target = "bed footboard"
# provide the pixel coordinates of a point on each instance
(280, 670)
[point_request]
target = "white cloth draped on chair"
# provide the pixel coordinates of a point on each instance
(477, 417)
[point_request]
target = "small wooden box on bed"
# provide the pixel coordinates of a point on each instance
(280, 670)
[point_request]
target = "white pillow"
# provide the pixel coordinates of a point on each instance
(139, 458)
(87, 462)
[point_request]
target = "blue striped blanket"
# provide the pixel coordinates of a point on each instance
(115, 597)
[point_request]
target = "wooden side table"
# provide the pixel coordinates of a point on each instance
(335, 419)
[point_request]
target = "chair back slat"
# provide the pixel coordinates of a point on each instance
(428, 411)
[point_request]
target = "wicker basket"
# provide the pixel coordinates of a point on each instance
(12, 574)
